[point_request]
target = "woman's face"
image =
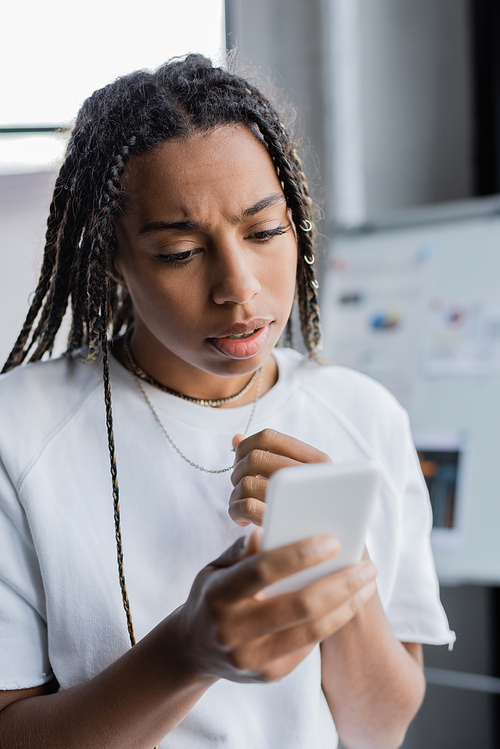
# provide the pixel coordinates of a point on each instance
(207, 251)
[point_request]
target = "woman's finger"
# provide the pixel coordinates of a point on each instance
(246, 503)
(251, 575)
(282, 444)
(314, 602)
(249, 486)
(259, 654)
(260, 463)
(237, 439)
(246, 511)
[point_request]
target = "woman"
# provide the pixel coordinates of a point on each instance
(181, 220)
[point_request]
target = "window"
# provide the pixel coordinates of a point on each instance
(58, 53)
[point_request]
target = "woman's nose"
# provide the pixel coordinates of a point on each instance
(234, 279)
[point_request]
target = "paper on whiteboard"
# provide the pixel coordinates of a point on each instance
(463, 338)
(373, 317)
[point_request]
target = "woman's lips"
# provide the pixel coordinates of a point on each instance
(243, 348)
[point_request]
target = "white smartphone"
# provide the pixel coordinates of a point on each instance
(314, 499)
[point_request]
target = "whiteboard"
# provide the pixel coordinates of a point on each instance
(418, 309)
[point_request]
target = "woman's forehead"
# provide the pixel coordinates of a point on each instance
(229, 165)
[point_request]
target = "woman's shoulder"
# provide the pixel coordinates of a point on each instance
(346, 395)
(37, 398)
(61, 378)
(341, 387)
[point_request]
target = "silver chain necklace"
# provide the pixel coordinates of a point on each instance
(169, 438)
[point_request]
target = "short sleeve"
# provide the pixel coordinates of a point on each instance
(414, 610)
(23, 630)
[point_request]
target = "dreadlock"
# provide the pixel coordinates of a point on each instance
(131, 116)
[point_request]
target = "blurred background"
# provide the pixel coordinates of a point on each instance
(396, 104)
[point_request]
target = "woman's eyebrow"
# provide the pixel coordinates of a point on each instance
(273, 199)
(270, 200)
(187, 225)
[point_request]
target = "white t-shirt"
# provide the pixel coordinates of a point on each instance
(60, 602)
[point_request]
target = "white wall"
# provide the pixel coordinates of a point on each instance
(24, 206)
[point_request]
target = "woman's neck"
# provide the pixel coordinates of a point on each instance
(198, 384)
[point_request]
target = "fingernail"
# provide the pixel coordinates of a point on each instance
(328, 545)
(367, 572)
(368, 590)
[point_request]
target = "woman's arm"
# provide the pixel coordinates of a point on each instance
(373, 683)
(224, 630)
(130, 705)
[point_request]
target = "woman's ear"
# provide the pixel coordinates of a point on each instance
(114, 273)
(114, 269)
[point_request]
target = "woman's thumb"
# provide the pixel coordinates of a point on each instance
(245, 546)
(237, 439)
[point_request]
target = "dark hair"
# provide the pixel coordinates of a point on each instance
(131, 116)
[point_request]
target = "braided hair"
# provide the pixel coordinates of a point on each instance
(131, 116)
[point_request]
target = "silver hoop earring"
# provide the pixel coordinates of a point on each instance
(309, 260)
(306, 225)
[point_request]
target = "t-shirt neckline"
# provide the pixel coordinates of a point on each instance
(172, 407)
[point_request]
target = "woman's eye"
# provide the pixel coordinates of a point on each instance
(267, 234)
(177, 259)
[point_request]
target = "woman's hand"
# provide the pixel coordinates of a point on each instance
(257, 458)
(226, 630)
